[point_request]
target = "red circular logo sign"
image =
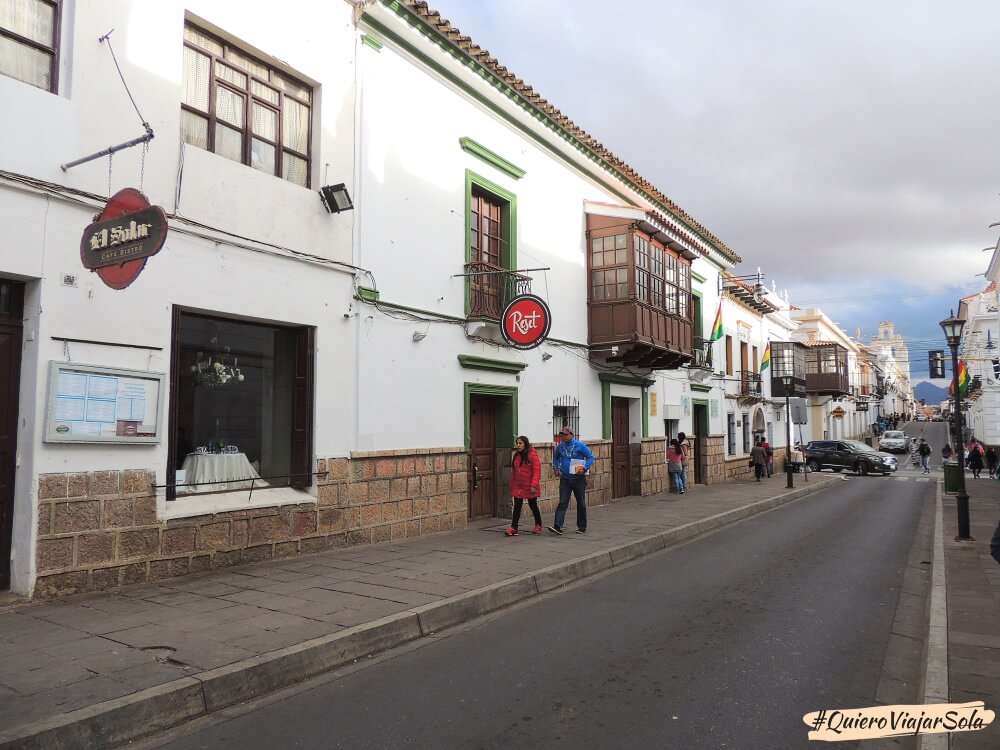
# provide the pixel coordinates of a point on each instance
(123, 237)
(526, 321)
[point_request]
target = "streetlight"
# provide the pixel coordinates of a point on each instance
(952, 328)
(786, 380)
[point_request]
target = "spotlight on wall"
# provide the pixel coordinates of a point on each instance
(546, 357)
(419, 336)
(335, 198)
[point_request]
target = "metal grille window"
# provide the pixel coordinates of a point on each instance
(746, 433)
(29, 41)
(731, 434)
(243, 109)
(609, 267)
(565, 413)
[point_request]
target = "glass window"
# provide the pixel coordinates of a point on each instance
(28, 43)
(252, 100)
(609, 253)
(236, 405)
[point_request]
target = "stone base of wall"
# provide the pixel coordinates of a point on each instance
(653, 470)
(715, 457)
(740, 468)
(99, 530)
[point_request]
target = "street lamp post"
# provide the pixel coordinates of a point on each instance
(952, 327)
(787, 382)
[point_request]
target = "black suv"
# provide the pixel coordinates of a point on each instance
(848, 454)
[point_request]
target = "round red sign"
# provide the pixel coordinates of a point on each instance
(123, 237)
(526, 321)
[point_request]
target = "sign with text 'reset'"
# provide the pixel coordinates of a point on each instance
(526, 321)
(123, 236)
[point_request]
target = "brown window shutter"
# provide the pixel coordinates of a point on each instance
(729, 355)
(302, 409)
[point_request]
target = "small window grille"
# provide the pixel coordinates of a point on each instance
(565, 413)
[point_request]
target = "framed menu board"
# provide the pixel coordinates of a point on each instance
(89, 404)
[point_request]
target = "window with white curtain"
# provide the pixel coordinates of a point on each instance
(243, 109)
(29, 41)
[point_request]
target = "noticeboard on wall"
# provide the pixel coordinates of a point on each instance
(91, 404)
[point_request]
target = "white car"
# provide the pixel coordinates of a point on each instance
(893, 441)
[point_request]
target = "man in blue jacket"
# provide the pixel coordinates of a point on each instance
(571, 460)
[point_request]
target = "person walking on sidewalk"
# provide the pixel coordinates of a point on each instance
(991, 461)
(525, 483)
(976, 460)
(758, 458)
(769, 452)
(571, 461)
(925, 455)
(675, 465)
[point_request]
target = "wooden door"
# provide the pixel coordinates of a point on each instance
(620, 459)
(11, 307)
(699, 441)
(482, 456)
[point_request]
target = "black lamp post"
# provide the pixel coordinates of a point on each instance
(952, 328)
(786, 380)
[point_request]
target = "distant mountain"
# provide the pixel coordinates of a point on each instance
(930, 393)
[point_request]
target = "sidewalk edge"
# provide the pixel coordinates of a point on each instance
(115, 722)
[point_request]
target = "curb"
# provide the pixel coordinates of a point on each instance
(936, 667)
(115, 722)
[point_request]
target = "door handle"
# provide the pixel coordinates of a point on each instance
(475, 477)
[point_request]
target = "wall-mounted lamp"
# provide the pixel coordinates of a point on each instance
(546, 357)
(335, 198)
(419, 336)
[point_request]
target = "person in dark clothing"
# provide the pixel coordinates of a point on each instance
(995, 544)
(991, 461)
(924, 449)
(975, 461)
(758, 457)
(946, 452)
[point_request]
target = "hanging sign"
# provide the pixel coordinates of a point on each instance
(526, 321)
(838, 412)
(123, 236)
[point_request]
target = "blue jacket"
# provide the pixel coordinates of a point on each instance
(571, 449)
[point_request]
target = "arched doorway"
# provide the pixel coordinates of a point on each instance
(759, 425)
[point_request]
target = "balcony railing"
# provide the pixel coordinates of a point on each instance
(750, 385)
(491, 288)
(702, 351)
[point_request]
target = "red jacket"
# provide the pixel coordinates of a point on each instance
(526, 478)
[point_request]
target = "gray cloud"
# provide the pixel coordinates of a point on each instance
(817, 139)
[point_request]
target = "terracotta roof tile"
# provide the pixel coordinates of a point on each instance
(446, 30)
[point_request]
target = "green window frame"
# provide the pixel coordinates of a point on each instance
(475, 182)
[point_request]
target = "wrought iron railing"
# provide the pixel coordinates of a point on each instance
(750, 385)
(702, 351)
(492, 287)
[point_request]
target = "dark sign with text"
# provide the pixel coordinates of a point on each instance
(123, 236)
(526, 321)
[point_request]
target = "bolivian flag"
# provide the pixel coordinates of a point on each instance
(717, 326)
(765, 361)
(963, 379)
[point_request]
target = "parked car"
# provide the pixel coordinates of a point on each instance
(893, 441)
(920, 418)
(848, 454)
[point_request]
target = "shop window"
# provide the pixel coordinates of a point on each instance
(244, 110)
(29, 41)
(241, 405)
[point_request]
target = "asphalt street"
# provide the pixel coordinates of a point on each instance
(725, 642)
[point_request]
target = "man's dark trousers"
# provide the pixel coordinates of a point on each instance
(575, 485)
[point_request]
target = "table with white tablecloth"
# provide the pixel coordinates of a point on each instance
(215, 472)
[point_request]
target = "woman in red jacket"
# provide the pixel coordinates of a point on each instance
(525, 483)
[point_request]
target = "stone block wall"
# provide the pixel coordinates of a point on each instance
(653, 470)
(715, 459)
(99, 530)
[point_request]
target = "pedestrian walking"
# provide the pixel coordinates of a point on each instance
(975, 460)
(991, 461)
(676, 464)
(758, 459)
(946, 452)
(924, 449)
(570, 461)
(525, 483)
(769, 452)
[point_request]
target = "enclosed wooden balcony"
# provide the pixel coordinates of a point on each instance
(639, 297)
(826, 370)
(788, 359)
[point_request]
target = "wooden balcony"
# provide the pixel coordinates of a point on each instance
(490, 288)
(644, 336)
(826, 370)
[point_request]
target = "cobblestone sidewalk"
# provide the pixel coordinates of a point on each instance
(61, 656)
(973, 582)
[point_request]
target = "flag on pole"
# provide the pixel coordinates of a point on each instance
(962, 376)
(717, 326)
(765, 361)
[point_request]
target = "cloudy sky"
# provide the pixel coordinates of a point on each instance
(848, 149)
